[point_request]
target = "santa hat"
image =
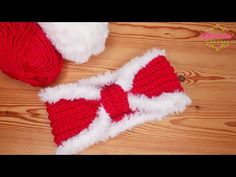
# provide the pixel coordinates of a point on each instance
(33, 54)
(77, 41)
(100, 107)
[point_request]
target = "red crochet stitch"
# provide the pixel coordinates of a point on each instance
(115, 101)
(68, 118)
(154, 79)
(27, 55)
(65, 120)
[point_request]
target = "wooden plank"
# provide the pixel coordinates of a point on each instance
(206, 127)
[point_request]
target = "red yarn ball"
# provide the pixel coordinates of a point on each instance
(26, 54)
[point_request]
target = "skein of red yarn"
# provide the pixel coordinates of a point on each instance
(26, 54)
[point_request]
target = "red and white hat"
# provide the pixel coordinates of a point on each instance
(32, 52)
(100, 107)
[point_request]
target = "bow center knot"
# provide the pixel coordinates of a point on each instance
(115, 101)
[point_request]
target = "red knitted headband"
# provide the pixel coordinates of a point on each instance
(100, 107)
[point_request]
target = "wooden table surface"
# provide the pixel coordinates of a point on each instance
(208, 126)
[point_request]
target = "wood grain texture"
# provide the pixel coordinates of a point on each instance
(208, 126)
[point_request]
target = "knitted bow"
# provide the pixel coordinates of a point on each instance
(94, 109)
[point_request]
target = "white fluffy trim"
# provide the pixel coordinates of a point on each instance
(156, 108)
(77, 41)
(90, 88)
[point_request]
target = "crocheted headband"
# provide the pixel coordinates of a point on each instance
(100, 107)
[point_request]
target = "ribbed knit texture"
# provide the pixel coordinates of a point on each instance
(27, 55)
(115, 101)
(69, 118)
(157, 77)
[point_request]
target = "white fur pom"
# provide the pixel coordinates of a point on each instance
(77, 41)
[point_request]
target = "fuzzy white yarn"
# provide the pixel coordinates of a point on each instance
(77, 41)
